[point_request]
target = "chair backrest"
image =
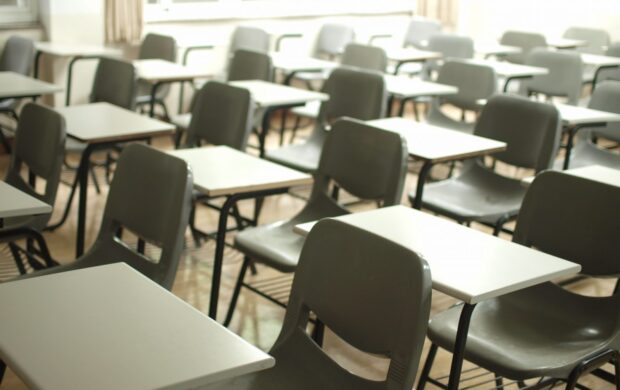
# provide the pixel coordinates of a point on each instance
(572, 218)
(451, 45)
(40, 147)
(564, 78)
(115, 82)
(354, 93)
(150, 196)
(18, 55)
(221, 115)
(419, 31)
(474, 82)
(367, 162)
(157, 46)
(364, 57)
(524, 40)
(597, 39)
(530, 129)
(606, 97)
(613, 50)
(250, 65)
(341, 264)
(332, 39)
(249, 38)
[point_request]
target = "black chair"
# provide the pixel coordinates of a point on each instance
(156, 46)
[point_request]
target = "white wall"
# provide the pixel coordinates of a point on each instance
(488, 19)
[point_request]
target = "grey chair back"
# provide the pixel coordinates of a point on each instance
(451, 46)
(341, 264)
(419, 32)
(250, 65)
(526, 41)
(332, 40)
(530, 129)
(115, 83)
(564, 78)
(597, 40)
(18, 55)
(474, 82)
(249, 38)
(606, 97)
(573, 218)
(40, 147)
(157, 46)
(365, 161)
(221, 115)
(354, 93)
(364, 57)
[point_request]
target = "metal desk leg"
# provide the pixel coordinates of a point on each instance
(289, 78)
(397, 67)
(153, 95)
(83, 183)
(459, 346)
(220, 242)
(262, 136)
(598, 70)
(569, 147)
(419, 191)
(37, 60)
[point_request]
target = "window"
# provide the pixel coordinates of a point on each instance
(163, 10)
(17, 12)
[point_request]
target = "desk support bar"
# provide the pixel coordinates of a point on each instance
(459, 346)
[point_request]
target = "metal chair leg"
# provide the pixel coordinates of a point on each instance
(18, 258)
(428, 364)
(236, 291)
(295, 128)
(318, 333)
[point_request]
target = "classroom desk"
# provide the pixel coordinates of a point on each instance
(510, 71)
(110, 327)
(272, 97)
(159, 72)
(600, 63)
(466, 264)
(100, 126)
(16, 203)
(406, 55)
(15, 86)
(293, 64)
(432, 145)
(593, 172)
(575, 118)
(407, 88)
(222, 171)
(75, 52)
(488, 49)
(565, 43)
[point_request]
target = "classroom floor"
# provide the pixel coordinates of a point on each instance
(257, 320)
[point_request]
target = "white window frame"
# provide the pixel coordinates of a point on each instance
(24, 12)
(166, 10)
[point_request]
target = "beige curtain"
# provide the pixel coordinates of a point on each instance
(446, 11)
(123, 20)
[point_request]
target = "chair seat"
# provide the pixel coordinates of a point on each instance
(542, 330)
(303, 157)
(75, 146)
(585, 153)
(143, 95)
(476, 195)
(310, 110)
(438, 118)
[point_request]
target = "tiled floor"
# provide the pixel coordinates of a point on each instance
(256, 319)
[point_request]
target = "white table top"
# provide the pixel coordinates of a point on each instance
(407, 87)
(166, 71)
(16, 203)
(593, 172)
(510, 70)
(494, 48)
(565, 43)
(575, 115)
(408, 54)
(103, 122)
(599, 60)
(75, 49)
(465, 263)
(432, 143)
(220, 170)
(266, 94)
(15, 85)
(296, 63)
(110, 327)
